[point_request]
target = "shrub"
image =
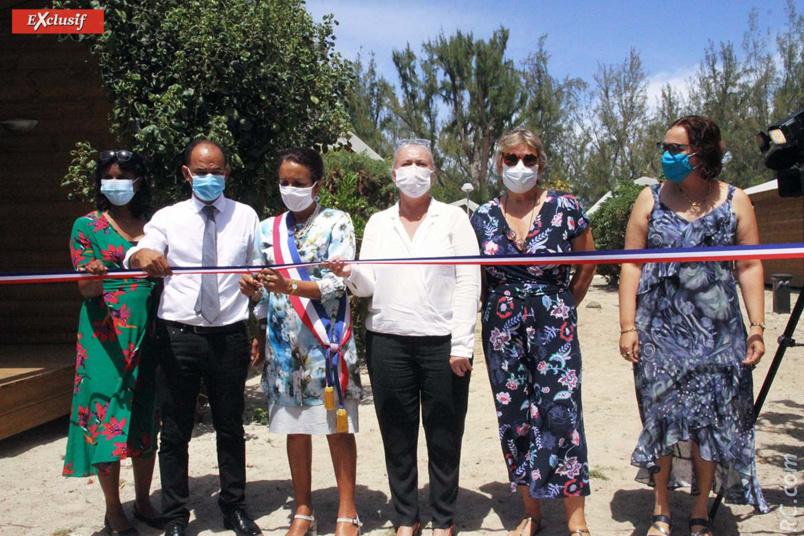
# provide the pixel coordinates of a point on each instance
(609, 223)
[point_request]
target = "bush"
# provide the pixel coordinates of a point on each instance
(360, 186)
(609, 223)
(256, 76)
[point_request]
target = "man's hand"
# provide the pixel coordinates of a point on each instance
(151, 262)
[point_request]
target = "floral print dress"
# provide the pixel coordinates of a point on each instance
(294, 372)
(691, 384)
(532, 350)
(114, 398)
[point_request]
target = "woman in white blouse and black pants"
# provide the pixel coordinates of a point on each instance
(420, 335)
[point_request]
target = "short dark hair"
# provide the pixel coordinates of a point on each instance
(141, 202)
(188, 152)
(704, 136)
(306, 157)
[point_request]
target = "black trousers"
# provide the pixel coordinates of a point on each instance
(222, 360)
(408, 373)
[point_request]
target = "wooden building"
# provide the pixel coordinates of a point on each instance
(56, 84)
(780, 221)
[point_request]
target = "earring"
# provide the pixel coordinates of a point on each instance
(316, 198)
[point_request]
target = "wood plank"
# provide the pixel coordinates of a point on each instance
(31, 416)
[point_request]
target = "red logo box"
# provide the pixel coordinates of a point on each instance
(57, 21)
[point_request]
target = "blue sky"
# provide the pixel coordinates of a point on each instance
(670, 36)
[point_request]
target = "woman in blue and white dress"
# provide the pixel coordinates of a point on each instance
(293, 339)
(681, 327)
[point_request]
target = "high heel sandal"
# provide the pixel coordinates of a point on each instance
(312, 530)
(417, 529)
(658, 518)
(353, 521)
(580, 532)
(525, 527)
(701, 522)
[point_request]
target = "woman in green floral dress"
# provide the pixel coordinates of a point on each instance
(114, 397)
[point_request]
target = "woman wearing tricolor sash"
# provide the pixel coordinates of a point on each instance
(310, 371)
(420, 336)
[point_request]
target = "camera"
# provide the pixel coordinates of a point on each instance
(783, 151)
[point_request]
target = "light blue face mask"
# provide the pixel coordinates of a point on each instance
(676, 167)
(119, 192)
(208, 187)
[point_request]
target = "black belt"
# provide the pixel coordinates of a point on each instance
(205, 330)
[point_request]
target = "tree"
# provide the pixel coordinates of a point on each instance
(614, 128)
(550, 110)
(480, 92)
(788, 96)
(254, 75)
(371, 105)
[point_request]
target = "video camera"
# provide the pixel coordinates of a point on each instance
(783, 150)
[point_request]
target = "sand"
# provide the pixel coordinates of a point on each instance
(36, 500)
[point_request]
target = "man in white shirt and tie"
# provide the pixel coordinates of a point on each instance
(201, 331)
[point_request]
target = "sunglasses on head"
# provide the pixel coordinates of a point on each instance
(122, 156)
(510, 160)
(672, 148)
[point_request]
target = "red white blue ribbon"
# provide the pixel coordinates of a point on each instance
(722, 253)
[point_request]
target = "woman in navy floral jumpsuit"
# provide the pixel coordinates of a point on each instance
(530, 333)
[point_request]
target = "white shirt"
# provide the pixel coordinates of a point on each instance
(177, 232)
(420, 300)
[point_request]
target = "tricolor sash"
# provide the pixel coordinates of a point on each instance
(332, 335)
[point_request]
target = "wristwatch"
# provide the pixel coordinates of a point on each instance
(758, 324)
(294, 286)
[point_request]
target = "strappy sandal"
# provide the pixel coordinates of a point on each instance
(525, 527)
(354, 521)
(658, 518)
(701, 522)
(312, 530)
(580, 532)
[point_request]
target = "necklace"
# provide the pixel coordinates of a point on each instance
(536, 202)
(413, 219)
(309, 222)
(693, 205)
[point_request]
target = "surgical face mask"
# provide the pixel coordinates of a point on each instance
(296, 199)
(520, 178)
(119, 192)
(413, 181)
(676, 167)
(208, 187)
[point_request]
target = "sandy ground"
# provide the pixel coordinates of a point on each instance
(35, 499)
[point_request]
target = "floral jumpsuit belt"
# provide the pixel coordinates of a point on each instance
(534, 364)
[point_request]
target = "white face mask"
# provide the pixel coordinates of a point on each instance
(413, 181)
(520, 178)
(296, 199)
(119, 192)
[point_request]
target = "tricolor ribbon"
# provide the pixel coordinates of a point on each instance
(722, 253)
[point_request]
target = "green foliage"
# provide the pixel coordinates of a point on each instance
(360, 186)
(256, 76)
(609, 222)
(259, 416)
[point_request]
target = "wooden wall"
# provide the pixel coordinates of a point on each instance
(57, 83)
(780, 221)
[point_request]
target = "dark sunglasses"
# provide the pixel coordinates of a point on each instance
(510, 160)
(122, 156)
(672, 148)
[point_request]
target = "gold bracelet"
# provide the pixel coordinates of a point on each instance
(629, 330)
(758, 325)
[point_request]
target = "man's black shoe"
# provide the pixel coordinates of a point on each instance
(174, 529)
(238, 521)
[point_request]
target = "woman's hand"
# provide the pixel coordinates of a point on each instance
(755, 349)
(273, 281)
(629, 346)
(460, 365)
(338, 267)
(249, 285)
(258, 351)
(94, 267)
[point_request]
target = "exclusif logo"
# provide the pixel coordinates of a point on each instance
(56, 21)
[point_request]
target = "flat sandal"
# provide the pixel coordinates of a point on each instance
(705, 523)
(581, 532)
(528, 522)
(659, 518)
